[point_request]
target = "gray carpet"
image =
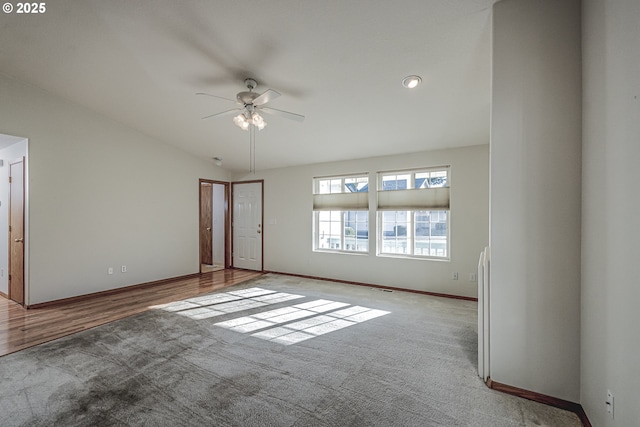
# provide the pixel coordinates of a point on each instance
(276, 351)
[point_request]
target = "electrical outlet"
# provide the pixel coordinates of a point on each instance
(124, 269)
(110, 270)
(472, 277)
(454, 276)
(609, 403)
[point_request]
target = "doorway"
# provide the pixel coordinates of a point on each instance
(247, 225)
(214, 226)
(14, 219)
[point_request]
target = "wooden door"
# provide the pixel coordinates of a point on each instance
(16, 231)
(247, 225)
(206, 223)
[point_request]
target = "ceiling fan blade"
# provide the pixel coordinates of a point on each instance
(268, 95)
(225, 113)
(281, 113)
(216, 96)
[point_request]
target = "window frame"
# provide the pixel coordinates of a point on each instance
(316, 245)
(411, 214)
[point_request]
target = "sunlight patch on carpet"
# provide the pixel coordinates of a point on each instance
(317, 318)
(207, 306)
(285, 325)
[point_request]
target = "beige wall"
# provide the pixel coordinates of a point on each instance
(610, 342)
(101, 195)
(535, 196)
(288, 239)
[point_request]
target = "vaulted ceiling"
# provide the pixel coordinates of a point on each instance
(339, 63)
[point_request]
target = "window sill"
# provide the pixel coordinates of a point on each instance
(338, 252)
(416, 257)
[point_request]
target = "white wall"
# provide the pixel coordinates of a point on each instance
(535, 196)
(610, 340)
(8, 154)
(101, 195)
(288, 223)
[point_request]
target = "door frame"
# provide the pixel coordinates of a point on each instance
(9, 157)
(22, 161)
(255, 181)
(227, 222)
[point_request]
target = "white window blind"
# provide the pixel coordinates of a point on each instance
(414, 199)
(341, 201)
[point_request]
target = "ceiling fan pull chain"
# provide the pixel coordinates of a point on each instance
(252, 149)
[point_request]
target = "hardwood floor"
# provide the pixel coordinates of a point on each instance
(21, 328)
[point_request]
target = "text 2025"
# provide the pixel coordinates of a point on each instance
(31, 7)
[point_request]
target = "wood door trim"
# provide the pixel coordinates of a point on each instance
(206, 223)
(254, 181)
(227, 221)
(23, 161)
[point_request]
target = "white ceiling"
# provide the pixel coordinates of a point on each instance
(8, 140)
(338, 62)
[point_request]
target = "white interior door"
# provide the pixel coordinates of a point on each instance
(247, 225)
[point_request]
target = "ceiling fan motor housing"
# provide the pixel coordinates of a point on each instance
(247, 97)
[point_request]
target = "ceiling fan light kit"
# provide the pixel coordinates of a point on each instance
(243, 122)
(258, 121)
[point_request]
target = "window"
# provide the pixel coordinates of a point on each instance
(341, 213)
(413, 213)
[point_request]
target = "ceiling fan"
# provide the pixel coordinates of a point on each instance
(251, 105)
(248, 113)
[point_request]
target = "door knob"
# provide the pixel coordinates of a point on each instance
(208, 228)
(19, 240)
(259, 231)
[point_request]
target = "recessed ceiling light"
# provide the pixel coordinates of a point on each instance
(411, 81)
